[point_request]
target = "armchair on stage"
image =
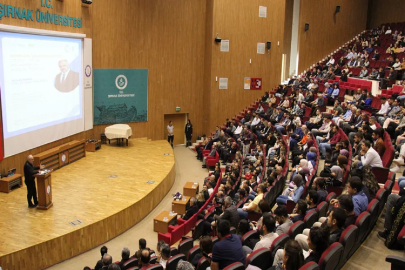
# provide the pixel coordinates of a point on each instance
(44, 183)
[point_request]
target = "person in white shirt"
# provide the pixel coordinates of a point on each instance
(267, 230)
(255, 122)
(384, 106)
(363, 72)
(170, 131)
(331, 62)
(397, 65)
(349, 55)
(165, 255)
(369, 157)
(237, 131)
(389, 31)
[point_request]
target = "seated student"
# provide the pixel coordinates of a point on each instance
(293, 257)
(367, 102)
(355, 189)
(165, 255)
(369, 157)
(206, 246)
(267, 231)
(345, 202)
(299, 211)
(311, 199)
(192, 209)
(253, 205)
(294, 195)
(99, 264)
(319, 184)
(334, 224)
(281, 215)
(228, 250)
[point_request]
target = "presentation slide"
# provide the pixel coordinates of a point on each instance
(41, 90)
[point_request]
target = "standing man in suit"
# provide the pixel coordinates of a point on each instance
(29, 172)
(67, 80)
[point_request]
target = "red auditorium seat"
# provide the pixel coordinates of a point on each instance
(373, 208)
(330, 197)
(214, 239)
(203, 264)
(310, 219)
(192, 252)
(295, 229)
(235, 266)
(322, 209)
(211, 161)
(310, 266)
(331, 256)
(348, 240)
(397, 263)
(173, 235)
(130, 263)
(155, 267)
(172, 262)
(382, 196)
(277, 244)
(260, 258)
(253, 234)
(185, 246)
(362, 222)
(173, 251)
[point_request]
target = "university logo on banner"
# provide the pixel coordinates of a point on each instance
(120, 96)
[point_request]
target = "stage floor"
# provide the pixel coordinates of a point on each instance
(104, 185)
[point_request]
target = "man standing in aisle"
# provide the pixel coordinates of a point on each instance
(29, 172)
(170, 136)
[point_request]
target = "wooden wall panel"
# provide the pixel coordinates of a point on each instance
(165, 37)
(238, 21)
(385, 11)
(328, 32)
(288, 24)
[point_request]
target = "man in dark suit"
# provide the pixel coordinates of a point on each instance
(29, 172)
(125, 257)
(99, 265)
(230, 213)
(67, 80)
(192, 209)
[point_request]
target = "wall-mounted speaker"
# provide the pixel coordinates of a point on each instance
(268, 45)
(337, 9)
(306, 27)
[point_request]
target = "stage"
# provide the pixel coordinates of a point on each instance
(107, 191)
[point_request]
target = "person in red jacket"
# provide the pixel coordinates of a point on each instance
(333, 140)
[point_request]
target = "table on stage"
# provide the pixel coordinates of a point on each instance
(190, 189)
(161, 225)
(180, 206)
(118, 132)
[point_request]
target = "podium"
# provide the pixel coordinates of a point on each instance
(44, 187)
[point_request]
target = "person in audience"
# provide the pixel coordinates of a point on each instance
(317, 103)
(318, 242)
(267, 231)
(294, 194)
(292, 258)
(114, 266)
(192, 209)
(228, 250)
(356, 122)
(145, 259)
(355, 189)
(376, 56)
(338, 170)
(367, 102)
(125, 253)
(364, 71)
(369, 157)
(230, 213)
(211, 154)
(99, 264)
(319, 183)
(379, 146)
(284, 223)
(253, 205)
(299, 212)
(345, 202)
(107, 261)
(206, 246)
(328, 144)
(324, 129)
(311, 199)
(142, 246)
(164, 255)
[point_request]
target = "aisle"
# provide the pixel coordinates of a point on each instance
(188, 168)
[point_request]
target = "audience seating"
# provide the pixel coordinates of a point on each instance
(155, 267)
(260, 258)
(322, 209)
(192, 252)
(130, 263)
(397, 263)
(277, 244)
(235, 266)
(310, 266)
(185, 246)
(362, 222)
(132, 268)
(203, 264)
(173, 251)
(172, 262)
(310, 219)
(295, 229)
(373, 208)
(348, 240)
(331, 256)
(253, 234)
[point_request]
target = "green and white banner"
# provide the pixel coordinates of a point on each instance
(120, 96)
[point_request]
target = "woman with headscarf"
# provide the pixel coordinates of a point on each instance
(311, 157)
(294, 194)
(303, 164)
(338, 171)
